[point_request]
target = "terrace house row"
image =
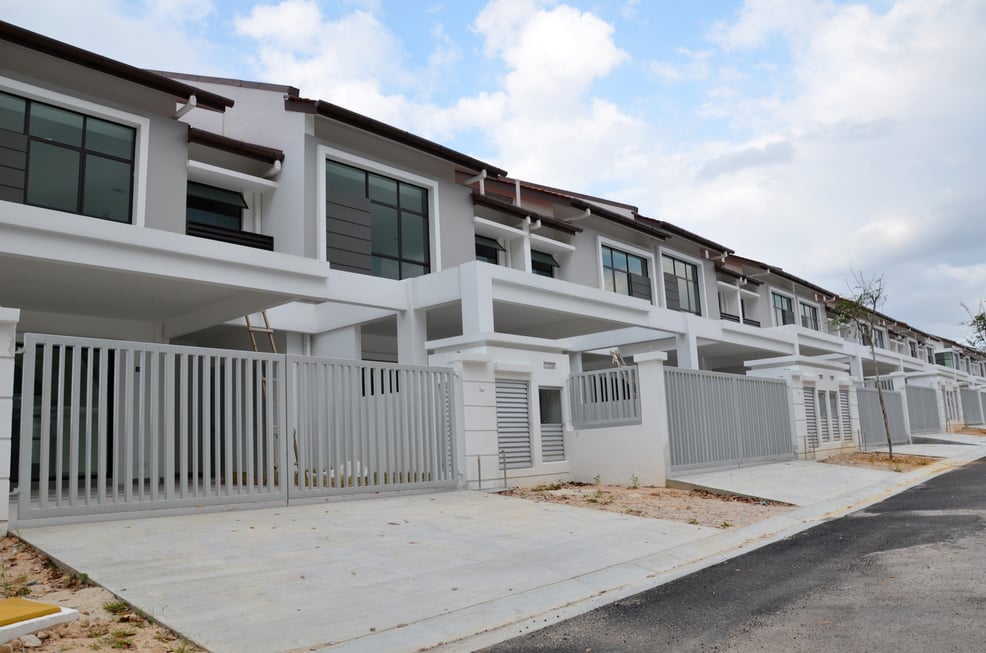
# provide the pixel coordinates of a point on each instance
(162, 208)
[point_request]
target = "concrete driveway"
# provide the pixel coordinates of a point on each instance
(452, 571)
(383, 574)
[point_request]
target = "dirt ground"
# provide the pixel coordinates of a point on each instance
(104, 623)
(880, 460)
(690, 506)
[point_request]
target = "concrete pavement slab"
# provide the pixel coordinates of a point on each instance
(936, 450)
(797, 482)
(949, 438)
(395, 574)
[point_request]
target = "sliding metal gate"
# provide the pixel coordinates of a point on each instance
(110, 426)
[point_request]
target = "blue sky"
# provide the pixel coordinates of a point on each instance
(819, 136)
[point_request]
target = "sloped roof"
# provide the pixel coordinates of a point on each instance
(70, 53)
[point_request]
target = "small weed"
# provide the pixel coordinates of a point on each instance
(693, 521)
(183, 647)
(898, 467)
(725, 524)
(548, 487)
(633, 511)
(634, 482)
(116, 607)
(95, 646)
(121, 638)
(596, 479)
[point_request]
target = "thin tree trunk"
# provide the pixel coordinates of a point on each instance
(879, 392)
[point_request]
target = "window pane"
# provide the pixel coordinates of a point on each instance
(56, 124)
(202, 216)
(382, 189)
(607, 258)
(344, 180)
(622, 281)
(668, 265)
(608, 280)
(414, 199)
(619, 260)
(414, 237)
(53, 177)
(107, 189)
(409, 270)
(12, 113)
(383, 233)
(109, 138)
(386, 268)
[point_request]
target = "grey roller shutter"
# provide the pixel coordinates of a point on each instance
(811, 417)
(513, 423)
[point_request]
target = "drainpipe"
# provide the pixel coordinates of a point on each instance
(481, 177)
(191, 104)
(517, 192)
(274, 171)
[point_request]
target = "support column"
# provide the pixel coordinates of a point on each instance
(476, 290)
(412, 333)
(345, 343)
(687, 348)
(8, 340)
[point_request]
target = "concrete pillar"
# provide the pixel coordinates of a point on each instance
(345, 343)
(856, 367)
(575, 362)
(687, 347)
(476, 290)
(412, 333)
(8, 340)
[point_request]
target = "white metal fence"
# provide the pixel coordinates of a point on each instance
(356, 426)
(723, 419)
(972, 407)
(922, 409)
(873, 433)
(108, 426)
(605, 398)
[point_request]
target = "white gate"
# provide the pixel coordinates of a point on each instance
(513, 424)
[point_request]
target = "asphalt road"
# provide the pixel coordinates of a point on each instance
(907, 574)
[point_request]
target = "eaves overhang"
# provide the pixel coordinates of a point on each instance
(234, 146)
(60, 50)
(370, 125)
(521, 212)
(611, 216)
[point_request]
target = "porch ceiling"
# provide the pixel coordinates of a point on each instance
(52, 287)
(538, 322)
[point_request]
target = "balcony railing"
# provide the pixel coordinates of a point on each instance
(233, 236)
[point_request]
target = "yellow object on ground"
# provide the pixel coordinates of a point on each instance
(15, 610)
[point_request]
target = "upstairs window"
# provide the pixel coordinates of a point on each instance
(914, 348)
(681, 285)
(783, 309)
(488, 250)
(625, 273)
(214, 206)
(375, 224)
(809, 316)
(543, 264)
(64, 160)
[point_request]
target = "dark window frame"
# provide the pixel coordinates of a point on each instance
(678, 275)
(782, 315)
(543, 264)
(809, 320)
(87, 153)
(488, 249)
(222, 204)
(378, 258)
(613, 272)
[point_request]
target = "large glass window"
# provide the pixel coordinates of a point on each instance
(74, 162)
(625, 273)
(681, 285)
(783, 309)
(809, 316)
(398, 218)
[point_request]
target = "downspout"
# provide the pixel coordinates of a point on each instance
(481, 177)
(517, 192)
(191, 104)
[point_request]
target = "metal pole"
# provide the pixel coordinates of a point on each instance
(503, 464)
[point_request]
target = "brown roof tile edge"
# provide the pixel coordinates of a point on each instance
(521, 212)
(227, 144)
(688, 235)
(229, 81)
(619, 219)
(46, 45)
(345, 116)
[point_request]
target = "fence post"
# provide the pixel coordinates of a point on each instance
(653, 417)
(8, 340)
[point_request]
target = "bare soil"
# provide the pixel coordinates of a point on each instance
(696, 507)
(880, 460)
(104, 624)
(972, 430)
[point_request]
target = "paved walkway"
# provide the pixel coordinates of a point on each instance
(453, 571)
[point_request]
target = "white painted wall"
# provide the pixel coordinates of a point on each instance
(8, 334)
